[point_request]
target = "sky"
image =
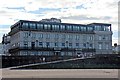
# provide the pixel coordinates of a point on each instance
(69, 11)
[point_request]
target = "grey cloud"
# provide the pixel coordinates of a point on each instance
(113, 4)
(84, 17)
(3, 12)
(15, 8)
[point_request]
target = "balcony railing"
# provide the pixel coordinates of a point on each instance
(50, 49)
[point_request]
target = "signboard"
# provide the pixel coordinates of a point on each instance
(78, 49)
(57, 49)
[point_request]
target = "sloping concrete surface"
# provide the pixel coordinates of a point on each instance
(59, 73)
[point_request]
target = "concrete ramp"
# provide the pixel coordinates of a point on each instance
(45, 63)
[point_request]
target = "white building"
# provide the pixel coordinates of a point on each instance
(1, 48)
(116, 49)
(6, 44)
(59, 39)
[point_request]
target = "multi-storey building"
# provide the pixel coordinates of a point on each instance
(6, 44)
(46, 38)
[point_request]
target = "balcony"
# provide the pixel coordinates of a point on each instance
(88, 50)
(48, 49)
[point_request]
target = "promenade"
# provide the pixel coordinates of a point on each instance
(60, 73)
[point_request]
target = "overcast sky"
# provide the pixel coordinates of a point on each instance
(69, 11)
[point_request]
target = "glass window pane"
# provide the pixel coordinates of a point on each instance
(83, 28)
(47, 44)
(56, 44)
(62, 27)
(100, 46)
(69, 27)
(25, 25)
(40, 35)
(45, 26)
(32, 25)
(63, 44)
(84, 45)
(70, 44)
(100, 37)
(90, 28)
(77, 44)
(40, 43)
(55, 27)
(76, 28)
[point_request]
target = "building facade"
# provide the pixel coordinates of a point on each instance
(116, 48)
(6, 44)
(46, 38)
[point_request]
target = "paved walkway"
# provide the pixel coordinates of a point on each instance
(35, 64)
(60, 73)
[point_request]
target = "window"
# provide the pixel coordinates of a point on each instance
(32, 44)
(25, 52)
(48, 36)
(45, 26)
(90, 28)
(62, 53)
(107, 37)
(40, 35)
(84, 45)
(63, 44)
(55, 27)
(40, 26)
(40, 44)
(91, 45)
(32, 25)
(70, 36)
(47, 44)
(77, 37)
(77, 44)
(84, 37)
(100, 46)
(62, 27)
(106, 28)
(56, 36)
(49, 27)
(69, 27)
(56, 44)
(25, 25)
(26, 34)
(40, 53)
(70, 44)
(64, 36)
(25, 44)
(100, 37)
(83, 28)
(98, 28)
(107, 46)
(90, 37)
(33, 35)
(69, 53)
(76, 28)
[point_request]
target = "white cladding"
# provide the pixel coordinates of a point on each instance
(53, 39)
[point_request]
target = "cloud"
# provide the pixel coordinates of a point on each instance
(84, 17)
(43, 10)
(70, 11)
